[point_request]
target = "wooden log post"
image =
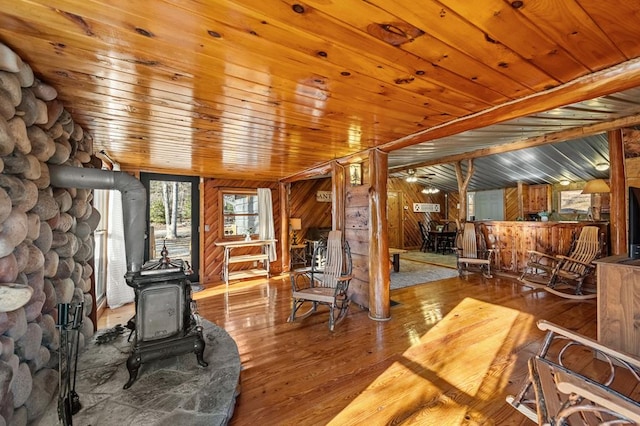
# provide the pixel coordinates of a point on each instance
(284, 190)
(379, 281)
(338, 190)
(618, 212)
(463, 183)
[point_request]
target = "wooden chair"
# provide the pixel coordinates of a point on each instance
(473, 253)
(427, 242)
(325, 282)
(555, 393)
(556, 273)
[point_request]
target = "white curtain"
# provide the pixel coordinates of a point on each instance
(266, 230)
(118, 292)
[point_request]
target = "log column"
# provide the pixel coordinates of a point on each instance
(618, 215)
(338, 190)
(379, 302)
(284, 190)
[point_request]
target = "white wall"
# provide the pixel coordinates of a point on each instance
(489, 205)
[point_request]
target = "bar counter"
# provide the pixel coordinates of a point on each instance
(514, 239)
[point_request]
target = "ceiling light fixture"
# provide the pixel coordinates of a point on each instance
(564, 182)
(412, 176)
(601, 167)
(430, 190)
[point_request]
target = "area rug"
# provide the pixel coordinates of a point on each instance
(412, 273)
(447, 260)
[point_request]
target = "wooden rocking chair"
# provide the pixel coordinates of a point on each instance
(325, 282)
(555, 393)
(472, 254)
(555, 273)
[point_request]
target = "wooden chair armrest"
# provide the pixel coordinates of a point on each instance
(569, 259)
(345, 277)
(540, 254)
(588, 342)
(569, 382)
(549, 378)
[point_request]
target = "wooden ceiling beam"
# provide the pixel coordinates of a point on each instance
(561, 136)
(617, 78)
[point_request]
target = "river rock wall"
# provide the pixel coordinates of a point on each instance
(46, 239)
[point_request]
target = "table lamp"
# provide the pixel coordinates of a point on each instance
(595, 186)
(295, 223)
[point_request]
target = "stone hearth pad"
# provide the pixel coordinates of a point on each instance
(173, 391)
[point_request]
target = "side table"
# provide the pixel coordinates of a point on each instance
(298, 255)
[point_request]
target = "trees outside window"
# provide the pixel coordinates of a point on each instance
(240, 212)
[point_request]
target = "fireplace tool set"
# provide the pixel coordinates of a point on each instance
(68, 399)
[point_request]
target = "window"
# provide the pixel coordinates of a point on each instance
(574, 202)
(240, 212)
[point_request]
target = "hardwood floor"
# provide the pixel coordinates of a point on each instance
(451, 353)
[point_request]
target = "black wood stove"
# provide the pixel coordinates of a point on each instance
(166, 320)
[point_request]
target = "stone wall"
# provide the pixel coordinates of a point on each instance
(46, 240)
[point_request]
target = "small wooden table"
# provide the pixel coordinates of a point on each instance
(262, 257)
(395, 254)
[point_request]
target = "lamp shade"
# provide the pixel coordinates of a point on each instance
(596, 186)
(295, 223)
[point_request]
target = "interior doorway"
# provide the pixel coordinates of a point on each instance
(173, 217)
(394, 219)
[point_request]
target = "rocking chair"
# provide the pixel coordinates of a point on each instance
(561, 391)
(325, 282)
(554, 273)
(470, 253)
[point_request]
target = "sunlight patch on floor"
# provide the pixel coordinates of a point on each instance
(462, 359)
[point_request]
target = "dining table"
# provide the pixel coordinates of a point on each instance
(443, 240)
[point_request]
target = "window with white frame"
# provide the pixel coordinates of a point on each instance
(240, 212)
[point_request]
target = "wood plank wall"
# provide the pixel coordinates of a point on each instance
(356, 232)
(411, 193)
(212, 259)
(303, 204)
(511, 203)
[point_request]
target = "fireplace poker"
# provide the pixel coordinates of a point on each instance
(64, 404)
(77, 322)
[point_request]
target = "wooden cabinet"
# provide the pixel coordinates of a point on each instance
(539, 198)
(247, 261)
(619, 303)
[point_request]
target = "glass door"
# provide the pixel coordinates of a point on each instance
(173, 216)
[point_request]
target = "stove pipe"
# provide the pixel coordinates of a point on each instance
(134, 204)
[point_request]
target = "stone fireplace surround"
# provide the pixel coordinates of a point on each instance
(46, 238)
(46, 234)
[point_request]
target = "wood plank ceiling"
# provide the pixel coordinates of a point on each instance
(268, 89)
